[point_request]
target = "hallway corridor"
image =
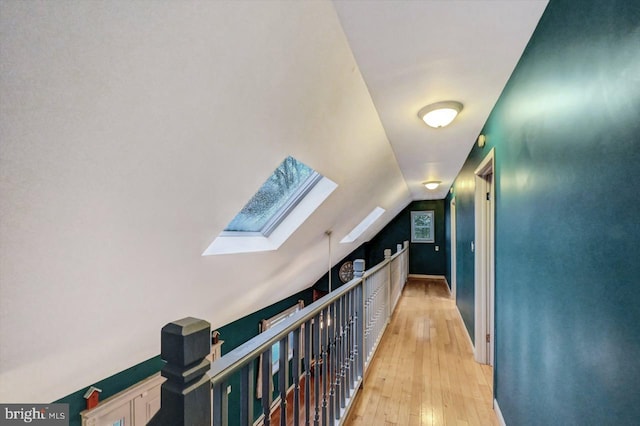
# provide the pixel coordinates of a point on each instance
(423, 372)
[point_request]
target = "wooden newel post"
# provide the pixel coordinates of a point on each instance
(359, 348)
(186, 394)
(358, 268)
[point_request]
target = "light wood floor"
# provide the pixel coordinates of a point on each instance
(423, 372)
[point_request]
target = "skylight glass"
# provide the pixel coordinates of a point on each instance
(289, 182)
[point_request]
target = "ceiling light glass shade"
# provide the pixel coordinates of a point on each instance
(440, 114)
(432, 184)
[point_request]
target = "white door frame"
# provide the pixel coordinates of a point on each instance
(454, 242)
(484, 260)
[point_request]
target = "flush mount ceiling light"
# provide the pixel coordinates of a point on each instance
(432, 184)
(440, 114)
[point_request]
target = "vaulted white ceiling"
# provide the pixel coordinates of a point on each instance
(133, 132)
(414, 53)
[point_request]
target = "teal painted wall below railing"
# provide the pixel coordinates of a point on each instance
(566, 133)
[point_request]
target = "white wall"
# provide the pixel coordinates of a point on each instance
(131, 133)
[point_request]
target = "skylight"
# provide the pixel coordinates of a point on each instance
(285, 200)
(289, 183)
(363, 226)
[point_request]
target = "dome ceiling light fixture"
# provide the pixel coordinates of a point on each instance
(432, 184)
(440, 114)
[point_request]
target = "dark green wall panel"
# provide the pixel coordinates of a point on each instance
(423, 258)
(465, 229)
(566, 131)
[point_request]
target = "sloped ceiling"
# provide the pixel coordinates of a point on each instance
(132, 133)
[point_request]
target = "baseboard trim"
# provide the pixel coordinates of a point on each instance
(473, 348)
(426, 276)
(448, 287)
(496, 408)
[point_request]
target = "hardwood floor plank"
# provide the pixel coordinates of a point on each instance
(423, 372)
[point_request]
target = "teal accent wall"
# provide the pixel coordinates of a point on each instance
(423, 258)
(464, 193)
(566, 133)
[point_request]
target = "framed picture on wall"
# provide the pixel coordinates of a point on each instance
(422, 229)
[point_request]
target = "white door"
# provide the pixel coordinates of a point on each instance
(488, 270)
(454, 243)
(484, 260)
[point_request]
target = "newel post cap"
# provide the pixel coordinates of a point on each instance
(185, 341)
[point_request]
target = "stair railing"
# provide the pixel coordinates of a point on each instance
(333, 341)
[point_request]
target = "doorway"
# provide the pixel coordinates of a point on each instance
(454, 242)
(484, 260)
